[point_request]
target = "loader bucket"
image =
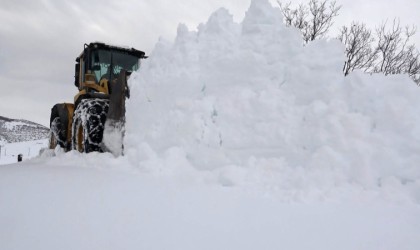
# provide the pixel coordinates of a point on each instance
(115, 120)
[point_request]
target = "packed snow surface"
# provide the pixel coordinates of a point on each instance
(237, 137)
(67, 204)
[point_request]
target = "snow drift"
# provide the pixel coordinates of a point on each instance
(246, 104)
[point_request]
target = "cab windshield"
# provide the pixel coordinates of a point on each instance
(109, 63)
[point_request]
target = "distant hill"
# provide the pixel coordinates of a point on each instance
(19, 130)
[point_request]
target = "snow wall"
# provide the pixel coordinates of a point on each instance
(246, 104)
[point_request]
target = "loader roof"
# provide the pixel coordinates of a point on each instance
(99, 45)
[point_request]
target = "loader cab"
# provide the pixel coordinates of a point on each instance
(99, 61)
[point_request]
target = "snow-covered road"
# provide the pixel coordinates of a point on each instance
(71, 207)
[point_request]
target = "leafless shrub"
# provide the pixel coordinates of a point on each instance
(389, 51)
(358, 40)
(314, 20)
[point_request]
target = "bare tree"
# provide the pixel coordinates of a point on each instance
(389, 53)
(386, 50)
(413, 65)
(314, 20)
(394, 50)
(358, 41)
(295, 17)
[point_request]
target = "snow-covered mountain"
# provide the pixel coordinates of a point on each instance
(19, 130)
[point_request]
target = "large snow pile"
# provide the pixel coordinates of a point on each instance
(246, 104)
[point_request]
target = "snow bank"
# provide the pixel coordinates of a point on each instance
(30, 149)
(245, 104)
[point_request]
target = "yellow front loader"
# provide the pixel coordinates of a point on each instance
(95, 121)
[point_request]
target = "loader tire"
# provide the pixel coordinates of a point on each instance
(88, 125)
(57, 135)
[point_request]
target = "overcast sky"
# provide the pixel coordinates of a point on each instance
(40, 39)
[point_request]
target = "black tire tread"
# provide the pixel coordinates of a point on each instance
(91, 115)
